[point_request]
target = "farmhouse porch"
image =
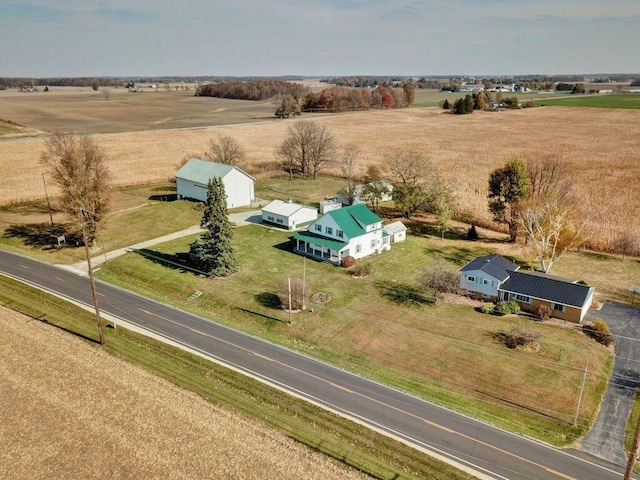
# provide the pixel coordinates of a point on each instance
(312, 245)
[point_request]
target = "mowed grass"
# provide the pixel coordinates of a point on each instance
(376, 327)
(323, 431)
(622, 100)
(138, 214)
(433, 98)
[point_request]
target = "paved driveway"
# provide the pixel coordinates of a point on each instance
(606, 438)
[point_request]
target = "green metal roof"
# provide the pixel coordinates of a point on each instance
(351, 219)
(318, 240)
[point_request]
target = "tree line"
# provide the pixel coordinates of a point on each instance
(339, 99)
(11, 82)
(251, 90)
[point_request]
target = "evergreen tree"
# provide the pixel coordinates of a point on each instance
(213, 252)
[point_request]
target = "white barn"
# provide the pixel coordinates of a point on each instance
(193, 177)
(289, 215)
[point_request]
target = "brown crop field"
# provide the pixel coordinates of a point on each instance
(73, 411)
(601, 147)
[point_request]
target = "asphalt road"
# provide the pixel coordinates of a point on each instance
(488, 451)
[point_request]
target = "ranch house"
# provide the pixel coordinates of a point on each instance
(350, 231)
(193, 177)
(567, 300)
(482, 276)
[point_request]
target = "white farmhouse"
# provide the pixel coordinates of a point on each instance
(289, 215)
(193, 177)
(350, 231)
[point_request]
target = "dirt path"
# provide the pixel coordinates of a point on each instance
(71, 411)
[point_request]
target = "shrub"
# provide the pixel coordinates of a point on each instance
(298, 291)
(363, 270)
(505, 308)
(600, 325)
(441, 280)
(543, 312)
(348, 261)
(521, 336)
(487, 308)
(599, 331)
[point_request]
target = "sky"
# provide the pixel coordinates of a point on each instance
(314, 38)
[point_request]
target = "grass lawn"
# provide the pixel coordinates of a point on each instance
(375, 326)
(300, 190)
(140, 212)
(351, 443)
(622, 100)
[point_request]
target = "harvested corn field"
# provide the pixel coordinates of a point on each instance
(72, 411)
(599, 146)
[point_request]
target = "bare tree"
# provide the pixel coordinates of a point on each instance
(548, 177)
(349, 164)
(226, 150)
(627, 243)
(78, 167)
(552, 231)
(307, 149)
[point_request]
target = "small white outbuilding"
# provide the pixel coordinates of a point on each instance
(289, 215)
(193, 177)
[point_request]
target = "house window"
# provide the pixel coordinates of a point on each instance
(373, 243)
(558, 307)
(339, 233)
(279, 220)
(358, 248)
(486, 282)
(329, 231)
(522, 298)
(471, 278)
(270, 218)
(318, 227)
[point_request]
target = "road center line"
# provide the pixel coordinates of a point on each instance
(340, 387)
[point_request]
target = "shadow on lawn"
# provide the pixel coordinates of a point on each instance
(268, 300)
(44, 234)
(405, 294)
(178, 261)
(166, 197)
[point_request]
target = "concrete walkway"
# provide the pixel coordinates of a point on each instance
(238, 219)
(606, 438)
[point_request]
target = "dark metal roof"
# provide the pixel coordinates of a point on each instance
(495, 265)
(545, 287)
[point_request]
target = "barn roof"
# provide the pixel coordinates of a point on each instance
(201, 171)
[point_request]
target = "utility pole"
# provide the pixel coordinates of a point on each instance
(91, 279)
(304, 280)
(289, 280)
(632, 454)
(584, 379)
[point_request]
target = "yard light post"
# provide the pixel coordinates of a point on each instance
(635, 289)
